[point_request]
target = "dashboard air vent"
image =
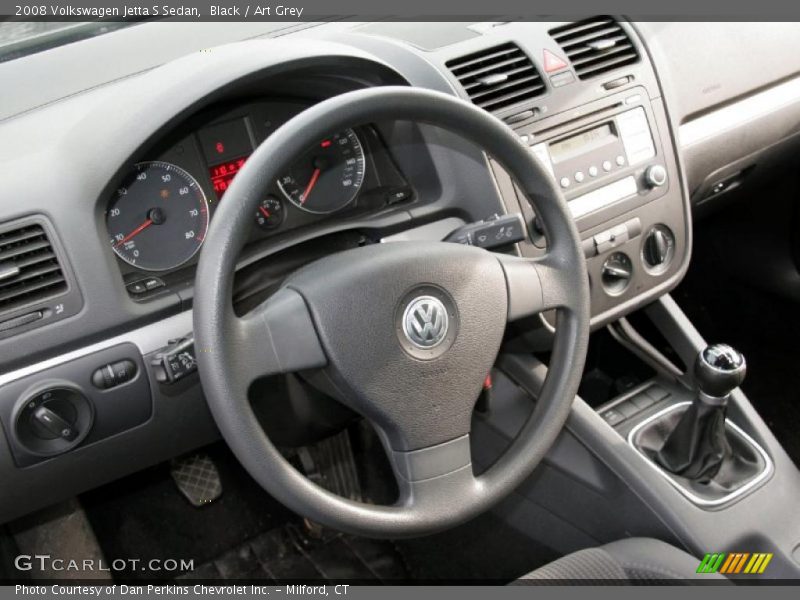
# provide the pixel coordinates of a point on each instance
(29, 268)
(595, 46)
(498, 78)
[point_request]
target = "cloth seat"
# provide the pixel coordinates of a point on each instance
(639, 560)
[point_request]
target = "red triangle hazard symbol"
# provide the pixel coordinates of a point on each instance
(552, 62)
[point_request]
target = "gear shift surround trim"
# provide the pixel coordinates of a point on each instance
(708, 503)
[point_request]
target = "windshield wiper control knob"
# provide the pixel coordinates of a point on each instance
(718, 370)
(698, 445)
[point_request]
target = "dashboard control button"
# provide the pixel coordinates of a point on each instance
(657, 393)
(398, 194)
(565, 182)
(136, 288)
(642, 401)
(620, 160)
(103, 378)
(579, 177)
(124, 371)
(627, 408)
(655, 176)
(109, 376)
(606, 165)
(142, 286)
(561, 79)
(593, 171)
(152, 283)
(612, 416)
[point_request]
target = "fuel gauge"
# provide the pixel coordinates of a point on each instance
(270, 213)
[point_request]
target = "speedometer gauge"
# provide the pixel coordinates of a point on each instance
(328, 176)
(158, 218)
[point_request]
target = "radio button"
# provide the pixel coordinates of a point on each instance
(655, 176)
(579, 177)
(620, 160)
(606, 165)
(565, 182)
(593, 171)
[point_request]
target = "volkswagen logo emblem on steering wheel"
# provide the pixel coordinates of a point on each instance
(425, 322)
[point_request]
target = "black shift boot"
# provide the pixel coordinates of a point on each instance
(698, 445)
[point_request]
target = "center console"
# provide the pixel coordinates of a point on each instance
(618, 173)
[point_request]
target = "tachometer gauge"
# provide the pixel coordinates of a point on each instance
(158, 218)
(328, 176)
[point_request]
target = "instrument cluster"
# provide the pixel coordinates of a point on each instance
(158, 216)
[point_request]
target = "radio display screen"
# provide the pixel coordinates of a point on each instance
(586, 140)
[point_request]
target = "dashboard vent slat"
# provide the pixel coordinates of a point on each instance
(595, 46)
(498, 78)
(29, 268)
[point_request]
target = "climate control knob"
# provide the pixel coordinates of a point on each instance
(658, 249)
(655, 176)
(616, 273)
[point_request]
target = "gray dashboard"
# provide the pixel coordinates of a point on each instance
(74, 142)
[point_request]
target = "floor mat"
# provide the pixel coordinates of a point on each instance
(247, 535)
(145, 516)
(763, 326)
(288, 554)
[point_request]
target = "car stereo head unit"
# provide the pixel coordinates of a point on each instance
(603, 157)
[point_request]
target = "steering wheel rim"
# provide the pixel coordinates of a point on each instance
(286, 333)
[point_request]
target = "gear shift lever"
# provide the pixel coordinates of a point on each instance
(698, 445)
(718, 370)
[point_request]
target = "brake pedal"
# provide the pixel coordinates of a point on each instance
(197, 479)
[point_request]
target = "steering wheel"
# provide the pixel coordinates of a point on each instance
(404, 332)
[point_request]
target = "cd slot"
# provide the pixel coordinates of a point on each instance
(602, 197)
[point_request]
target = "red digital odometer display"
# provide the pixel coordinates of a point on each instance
(223, 173)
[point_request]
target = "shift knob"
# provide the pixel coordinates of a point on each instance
(718, 370)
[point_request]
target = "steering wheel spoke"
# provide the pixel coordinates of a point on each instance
(535, 285)
(434, 474)
(278, 336)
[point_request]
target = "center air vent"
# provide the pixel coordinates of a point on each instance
(29, 268)
(595, 46)
(498, 78)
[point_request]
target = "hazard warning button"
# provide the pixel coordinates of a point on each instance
(552, 62)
